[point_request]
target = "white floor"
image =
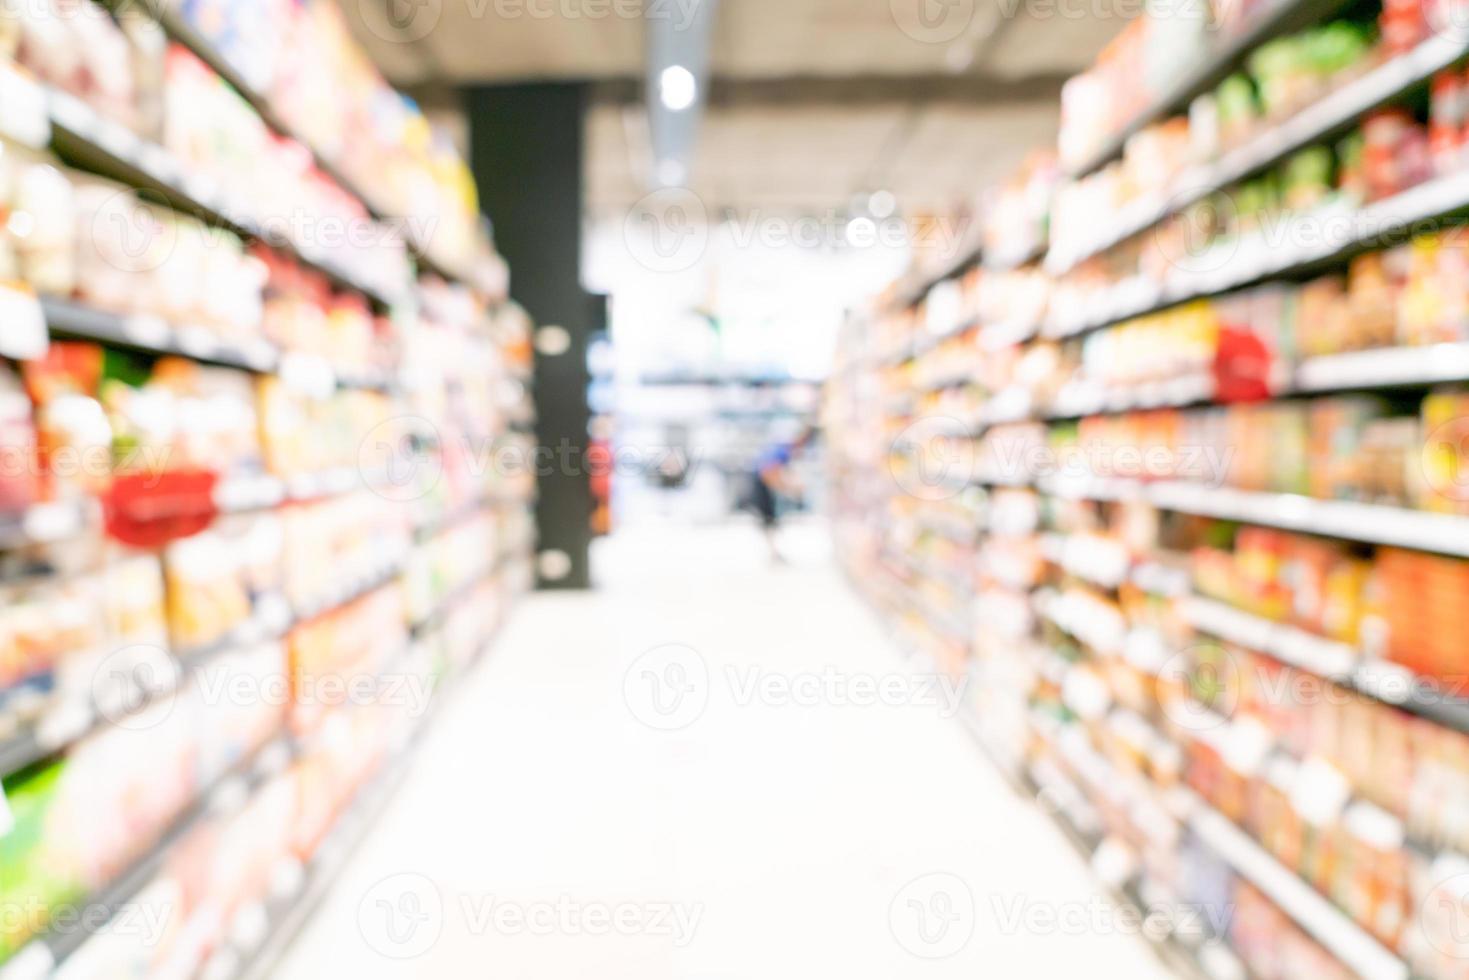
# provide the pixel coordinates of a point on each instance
(751, 818)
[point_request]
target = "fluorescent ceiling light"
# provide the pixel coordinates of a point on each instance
(677, 88)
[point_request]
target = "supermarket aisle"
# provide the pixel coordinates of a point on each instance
(562, 825)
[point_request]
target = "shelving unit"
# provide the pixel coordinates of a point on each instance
(289, 530)
(1202, 665)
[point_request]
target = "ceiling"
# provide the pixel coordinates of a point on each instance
(810, 101)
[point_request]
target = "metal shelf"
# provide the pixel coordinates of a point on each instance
(1340, 663)
(1298, 245)
(153, 335)
(1446, 534)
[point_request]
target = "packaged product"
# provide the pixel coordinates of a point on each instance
(336, 657)
(1426, 602)
(79, 48)
(1448, 105)
(1336, 430)
(20, 478)
(1403, 24)
(244, 694)
(1438, 947)
(1273, 946)
(1238, 108)
(74, 436)
(1351, 173)
(133, 601)
(1308, 178)
(39, 874)
(1322, 324)
(1375, 281)
(1373, 880)
(1395, 153)
(141, 777)
(46, 251)
(43, 622)
(250, 847)
(207, 596)
(186, 416)
(1443, 469)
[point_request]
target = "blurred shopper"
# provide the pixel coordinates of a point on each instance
(772, 479)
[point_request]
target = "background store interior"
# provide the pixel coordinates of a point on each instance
(382, 388)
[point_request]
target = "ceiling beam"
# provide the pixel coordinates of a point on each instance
(861, 90)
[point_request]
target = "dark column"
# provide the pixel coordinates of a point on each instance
(526, 152)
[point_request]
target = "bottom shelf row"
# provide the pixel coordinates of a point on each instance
(1231, 883)
(209, 854)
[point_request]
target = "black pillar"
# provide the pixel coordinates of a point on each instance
(526, 153)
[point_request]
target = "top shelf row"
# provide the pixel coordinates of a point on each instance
(281, 121)
(1232, 45)
(182, 31)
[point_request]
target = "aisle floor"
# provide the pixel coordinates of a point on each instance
(570, 818)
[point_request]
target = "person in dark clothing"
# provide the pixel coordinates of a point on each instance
(770, 479)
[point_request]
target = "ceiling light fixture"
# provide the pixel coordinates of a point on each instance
(677, 88)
